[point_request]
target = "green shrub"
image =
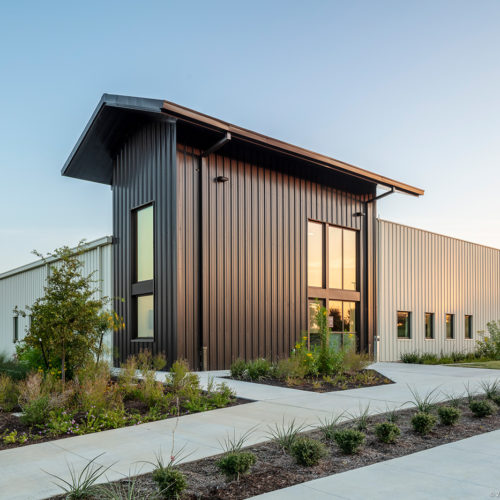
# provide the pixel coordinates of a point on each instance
(233, 464)
(15, 369)
(9, 393)
(349, 440)
(307, 451)
(238, 369)
(181, 381)
(387, 432)
(428, 359)
(36, 411)
(423, 422)
(219, 395)
(489, 347)
(449, 415)
(259, 369)
(291, 368)
(481, 409)
(496, 399)
(410, 357)
(171, 482)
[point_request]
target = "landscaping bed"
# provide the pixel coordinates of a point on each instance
(342, 382)
(275, 469)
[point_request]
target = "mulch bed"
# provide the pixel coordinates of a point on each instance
(355, 380)
(9, 422)
(275, 469)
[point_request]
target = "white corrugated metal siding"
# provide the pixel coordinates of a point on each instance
(22, 286)
(421, 272)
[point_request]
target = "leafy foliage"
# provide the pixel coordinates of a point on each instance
(171, 482)
(423, 422)
(307, 451)
(349, 440)
(449, 415)
(9, 393)
(387, 432)
(481, 408)
(235, 463)
(489, 346)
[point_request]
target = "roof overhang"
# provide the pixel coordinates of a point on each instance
(117, 117)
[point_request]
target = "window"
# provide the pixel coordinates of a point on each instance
(429, 325)
(315, 254)
(143, 271)
(403, 324)
(468, 326)
(15, 333)
(450, 327)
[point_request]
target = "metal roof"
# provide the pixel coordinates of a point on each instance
(117, 117)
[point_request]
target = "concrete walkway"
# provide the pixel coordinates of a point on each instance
(22, 476)
(464, 469)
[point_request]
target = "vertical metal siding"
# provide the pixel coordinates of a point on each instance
(253, 254)
(24, 287)
(424, 272)
(145, 171)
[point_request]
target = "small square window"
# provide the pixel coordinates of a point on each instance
(450, 326)
(468, 326)
(404, 325)
(429, 325)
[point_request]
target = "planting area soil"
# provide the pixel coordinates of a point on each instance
(354, 380)
(9, 422)
(276, 469)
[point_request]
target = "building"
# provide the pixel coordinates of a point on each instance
(225, 241)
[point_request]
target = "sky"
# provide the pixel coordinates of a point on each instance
(407, 89)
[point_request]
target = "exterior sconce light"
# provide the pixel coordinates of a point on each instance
(221, 179)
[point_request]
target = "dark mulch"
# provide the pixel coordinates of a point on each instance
(9, 422)
(355, 380)
(275, 469)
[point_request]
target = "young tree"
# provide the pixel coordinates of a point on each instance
(68, 323)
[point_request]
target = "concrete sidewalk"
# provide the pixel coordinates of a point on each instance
(22, 476)
(464, 469)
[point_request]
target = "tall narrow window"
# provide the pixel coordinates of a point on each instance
(15, 327)
(450, 327)
(143, 271)
(468, 326)
(342, 258)
(350, 250)
(403, 323)
(335, 257)
(429, 325)
(315, 254)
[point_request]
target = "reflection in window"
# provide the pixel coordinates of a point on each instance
(450, 327)
(314, 337)
(342, 316)
(429, 325)
(335, 257)
(315, 254)
(403, 325)
(349, 260)
(145, 316)
(468, 326)
(144, 244)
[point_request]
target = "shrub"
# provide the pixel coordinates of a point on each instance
(496, 399)
(354, 361)
(387, 432)
(410, 357)
(9, 393)
(307, 451)
(291, 368)
(127, 379)
(235, 463)
(428, 359)
(449, 415)
(15, 369)
(285, 435)
(423, 422)
(171, 482)
(481, 409)
(489, 347)
(181, 381)
(349, 440)
(93, 390)
(259, 369)
(36, 411)
(238, 369)
(219, 395)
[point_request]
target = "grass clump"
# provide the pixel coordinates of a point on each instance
(285, 435)
(423, 404)
(423, 422)
(307, 451)
(481, 408)
(9, 393)
(349, 440)
(238, 369)
(236, 463)
(387, 432)
(449, 415)
(259, 369)
(329, 426)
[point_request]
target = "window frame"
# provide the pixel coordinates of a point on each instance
(15, 329)
(433, 335)
(145, 287)
(468, 320)
(452, 316)
(409, 337)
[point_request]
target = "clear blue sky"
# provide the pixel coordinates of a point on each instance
(407, 89)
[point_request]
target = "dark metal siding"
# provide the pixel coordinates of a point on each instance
(254, 253)
(145, 170)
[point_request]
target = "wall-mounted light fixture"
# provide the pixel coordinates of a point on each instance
(221, 178)
(358, 214)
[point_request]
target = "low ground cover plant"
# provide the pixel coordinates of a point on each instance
(449, 415)
(349, 440)
(481, 408)
(307, 451)
(235, 464)
(423, 422)
(387, 432)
